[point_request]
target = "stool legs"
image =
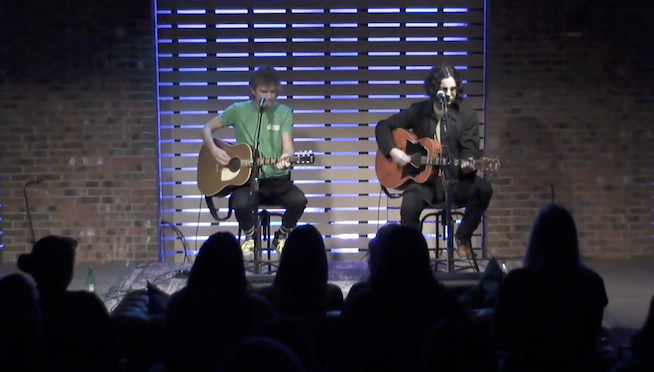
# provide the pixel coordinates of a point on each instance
(266, 230)
(473, 259)
(441, 231)
(264, 219)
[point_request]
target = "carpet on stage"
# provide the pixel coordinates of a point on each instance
(166, 277)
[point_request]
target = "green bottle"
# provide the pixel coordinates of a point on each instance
(90, 280)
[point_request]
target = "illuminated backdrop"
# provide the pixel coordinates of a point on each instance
(344, 65)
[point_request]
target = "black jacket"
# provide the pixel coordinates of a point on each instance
(421, 119)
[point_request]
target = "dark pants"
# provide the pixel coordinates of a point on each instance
(473, 193)
(272, 191)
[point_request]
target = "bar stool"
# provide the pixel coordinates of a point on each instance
(438, 214)
(441, 226)
(264, 219)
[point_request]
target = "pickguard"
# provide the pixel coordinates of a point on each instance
(227, 175)
(415, 151)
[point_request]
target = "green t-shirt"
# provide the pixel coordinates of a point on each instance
(244, 117)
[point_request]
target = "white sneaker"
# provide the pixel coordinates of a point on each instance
(248, 249)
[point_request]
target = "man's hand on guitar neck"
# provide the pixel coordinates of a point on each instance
(220, 155)
(284, 162)
(400, 157)
(468, 165)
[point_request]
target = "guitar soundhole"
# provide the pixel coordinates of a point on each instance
(234, 165)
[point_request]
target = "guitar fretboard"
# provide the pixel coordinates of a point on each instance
(426, 160)
(266, 161)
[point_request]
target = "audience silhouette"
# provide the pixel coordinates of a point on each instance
(77, 329)
(549, 312)
(545, 316)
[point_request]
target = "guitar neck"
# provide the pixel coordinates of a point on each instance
(439, 162)
(265, 161)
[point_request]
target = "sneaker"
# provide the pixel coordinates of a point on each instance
(464, 249)
(248, 249)
(278, 241)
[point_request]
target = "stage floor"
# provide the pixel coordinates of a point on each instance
(629, 284)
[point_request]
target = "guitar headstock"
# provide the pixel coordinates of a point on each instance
(304, 158)
(488, 164)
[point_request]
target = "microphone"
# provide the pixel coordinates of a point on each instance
(441, 96)
(262, 102)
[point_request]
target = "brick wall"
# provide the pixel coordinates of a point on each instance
(78, 110)
(575, 111)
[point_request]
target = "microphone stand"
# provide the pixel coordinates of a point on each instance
(446, 180)
(27, 207)
(254, 194)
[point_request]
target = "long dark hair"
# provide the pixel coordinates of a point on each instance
(643, 340)
(303, 266)
(218, 270)
(553, 244)
(438, 73)
(402, 263)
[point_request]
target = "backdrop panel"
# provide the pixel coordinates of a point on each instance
(344, 64)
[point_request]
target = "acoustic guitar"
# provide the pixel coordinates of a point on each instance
(214, 179)
(426, 161)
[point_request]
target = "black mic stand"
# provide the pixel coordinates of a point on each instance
(446, 175)
(27, 207)
(254, 194)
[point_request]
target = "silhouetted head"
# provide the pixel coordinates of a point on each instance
(402, 262)
(643, 340)
(553, 244)
(261, 354)
(303, 263)
(51, 263)
(649, 322)
(446, 78)
(20, 320)
(373, 246)
(218, 269)
(20, 301)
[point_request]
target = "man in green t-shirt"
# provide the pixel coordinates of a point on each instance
(276, 140)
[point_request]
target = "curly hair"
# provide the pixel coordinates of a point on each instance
(438, 73)
(265, 75)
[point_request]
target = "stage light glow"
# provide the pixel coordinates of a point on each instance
(339, 86)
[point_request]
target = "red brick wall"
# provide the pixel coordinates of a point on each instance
(576, 112)
(78, 110)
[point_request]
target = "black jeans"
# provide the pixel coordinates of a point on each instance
(473, 193)
(272, 191)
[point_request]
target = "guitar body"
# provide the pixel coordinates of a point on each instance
(215, 179)
(393, 176)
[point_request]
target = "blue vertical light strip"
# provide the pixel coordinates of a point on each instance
(2, 245)
(484, 226)
(162, 252)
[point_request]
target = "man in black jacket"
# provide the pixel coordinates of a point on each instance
(424, 119)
